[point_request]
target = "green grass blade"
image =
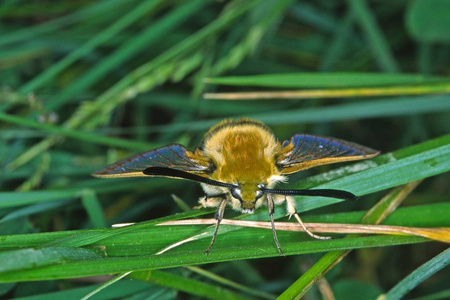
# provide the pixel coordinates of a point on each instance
(129, 85)
(400, 106)
(122, 289)
(302, 285)
(80, 135)
(419, 275)
(320, 80)
(11, 199)
(105, 285)
(388, 107)
(152, 34)
(31, 258)
(139, 11)
(337, 46)
(442, 295)
(230, 283)
(33, 209)
(54, 25)
(93, 208)
(193, 254)
(375, 37)
(187, 285)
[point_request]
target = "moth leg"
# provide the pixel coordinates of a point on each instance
(219, 216)
(293, 212)
(271, 207)
(212, 200)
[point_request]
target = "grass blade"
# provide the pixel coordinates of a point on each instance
(419, 275)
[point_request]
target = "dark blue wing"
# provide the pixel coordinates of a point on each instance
(172, 156)
(304, 151)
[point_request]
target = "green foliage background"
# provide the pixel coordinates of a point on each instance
(85, 83)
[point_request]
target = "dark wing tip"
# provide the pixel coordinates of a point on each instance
(367, 152)
(99, 174)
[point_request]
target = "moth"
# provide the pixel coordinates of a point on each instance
(239, 163)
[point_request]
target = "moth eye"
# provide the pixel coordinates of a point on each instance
(236, 193)
(259, 194)
(261, 186)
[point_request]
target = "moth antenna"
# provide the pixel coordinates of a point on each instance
(219, 216)
(329, 193)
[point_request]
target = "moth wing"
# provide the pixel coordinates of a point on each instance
(303, 151)
(172, 157)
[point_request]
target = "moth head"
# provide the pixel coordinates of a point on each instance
(246, 196)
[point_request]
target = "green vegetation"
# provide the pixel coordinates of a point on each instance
(86, 83)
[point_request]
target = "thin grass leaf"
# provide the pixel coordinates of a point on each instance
(321, 80)
(336, 49)
(105, 285)
(302, 285)
(122, 289)
(441, 234)
(109, 33)
(230, 283)
(263, 17)
(90, 11)
(389, 107)
(187, 285)
(152, 34)
(436, 296)
(80, 135)
(93, 207)
(11, 199)
(401, 106)
(309, 14)
(338, 93)
(136, 82)
(374, 35)
(34, 258)
(34, 180)
(419, 275)
(104, 104)
(33, 209)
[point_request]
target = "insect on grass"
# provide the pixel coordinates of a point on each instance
(238, 164)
